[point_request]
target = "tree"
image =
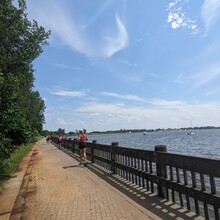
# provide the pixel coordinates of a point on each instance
(21, 108)
(45, 133)
(61, 131)
(35, 115)
(71, 133)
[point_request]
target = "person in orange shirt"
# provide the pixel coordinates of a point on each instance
(82, 138)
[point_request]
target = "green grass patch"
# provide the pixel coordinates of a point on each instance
(12, 163)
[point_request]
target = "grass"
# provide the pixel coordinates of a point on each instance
(12, 163)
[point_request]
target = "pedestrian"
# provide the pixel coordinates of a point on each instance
(48, 139)
(60, 138)
(51, 137)
(82, 138)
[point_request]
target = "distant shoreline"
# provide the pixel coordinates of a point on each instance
(151, 130)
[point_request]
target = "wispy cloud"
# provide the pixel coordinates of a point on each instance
(210, 12)
(207, 75)
(116, 42)
(70, 93)
(96, 108)
(126, 97)
(69, 67)
(53, 16)
(97, 13)
(127, 63)
(71, 31)
(169, 104)
(201, 69)
(61, 121)
(155, 75)
(198, 79)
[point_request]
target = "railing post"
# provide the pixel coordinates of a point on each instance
(161, 170)
(69, 144)
(92, 150)
(74, 143)
(113, 156)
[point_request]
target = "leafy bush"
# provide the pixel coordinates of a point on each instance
(5, 149)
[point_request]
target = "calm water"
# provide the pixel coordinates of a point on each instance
(203, 143)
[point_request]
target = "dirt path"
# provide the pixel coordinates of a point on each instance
(12, 187)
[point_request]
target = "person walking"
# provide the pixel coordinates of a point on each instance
(82, 138)
(60, 138)
(48, 139)
(51, 138)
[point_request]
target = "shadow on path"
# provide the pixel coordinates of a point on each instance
(73, 166)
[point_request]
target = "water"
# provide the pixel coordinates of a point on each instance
(203, 143)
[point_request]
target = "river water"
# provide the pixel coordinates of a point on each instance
(203, 143)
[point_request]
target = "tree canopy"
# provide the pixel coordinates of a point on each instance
(21, 108)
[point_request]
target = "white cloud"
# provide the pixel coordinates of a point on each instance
(166, 114)
(126, 97)
(70, 93)
(210, 12)
(177, 17)
(61, 121)
(159, 113)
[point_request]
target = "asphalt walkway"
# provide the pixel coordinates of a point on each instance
(54, 186)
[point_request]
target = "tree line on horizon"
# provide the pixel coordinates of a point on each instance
(62, 131)
(21, 107)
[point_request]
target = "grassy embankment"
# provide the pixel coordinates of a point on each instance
(12, 163)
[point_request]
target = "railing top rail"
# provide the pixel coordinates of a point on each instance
(197, 164)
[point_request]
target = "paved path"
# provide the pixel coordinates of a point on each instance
(55, 186)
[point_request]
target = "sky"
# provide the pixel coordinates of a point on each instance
(128, 64)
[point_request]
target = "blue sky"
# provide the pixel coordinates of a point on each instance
(127, 64)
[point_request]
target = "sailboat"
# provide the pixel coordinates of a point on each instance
(190, 132)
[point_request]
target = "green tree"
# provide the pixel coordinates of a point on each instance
(21, 109)
(61, 131)
(45, 133)
(35, 115)
(71, 133)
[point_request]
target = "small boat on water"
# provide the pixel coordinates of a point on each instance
(190, 133)
(145, 133)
